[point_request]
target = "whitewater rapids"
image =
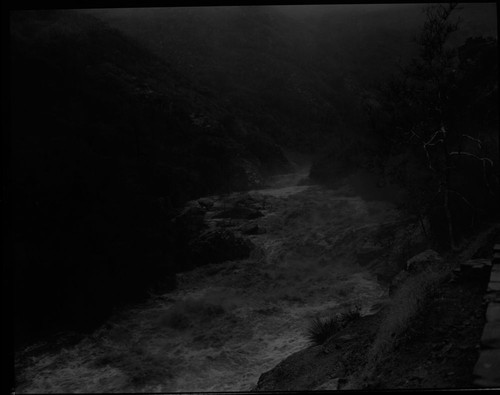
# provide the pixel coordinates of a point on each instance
(228, 323)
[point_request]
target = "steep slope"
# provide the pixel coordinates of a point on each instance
(256, 58)
(107, 139)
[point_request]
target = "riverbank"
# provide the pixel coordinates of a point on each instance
(438, 348)
(309, 252)
(313, 252)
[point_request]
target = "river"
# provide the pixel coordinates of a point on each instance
(227, 323)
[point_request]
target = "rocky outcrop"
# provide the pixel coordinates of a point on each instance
(206, 203)
(215, 229)
(218, 245)
(322, 367)
(423, 260)
(240, 213)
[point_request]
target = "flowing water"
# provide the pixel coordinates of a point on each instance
(228, 323)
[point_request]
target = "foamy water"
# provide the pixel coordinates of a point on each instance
(228, 323)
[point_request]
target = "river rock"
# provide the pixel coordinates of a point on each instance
(239, 213)
(218, 245)
(206, 203)
(423, 260)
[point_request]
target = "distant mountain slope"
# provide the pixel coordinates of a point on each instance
(107, 139)
(298, 71)
(255, 60)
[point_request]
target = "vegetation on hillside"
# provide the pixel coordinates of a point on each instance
(320, 330)
(300, 72)
(434, 131)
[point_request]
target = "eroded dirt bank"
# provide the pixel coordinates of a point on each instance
(315, 252)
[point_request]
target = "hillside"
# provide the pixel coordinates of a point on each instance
(256, 60)
(301, 73)
(107, 140)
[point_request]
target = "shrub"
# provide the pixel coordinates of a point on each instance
(320, 331)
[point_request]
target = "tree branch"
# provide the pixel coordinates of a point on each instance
(414, 134)
(483, 160)
(472, 155)
(431, 143)
(473, 209)
(437, 142)
(434, 135)
(473, 139)
(463, 198)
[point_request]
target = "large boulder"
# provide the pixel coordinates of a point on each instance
(206, 203)
(424, 260)
(218, 245)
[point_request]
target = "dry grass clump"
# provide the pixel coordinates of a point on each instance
(319, 331)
